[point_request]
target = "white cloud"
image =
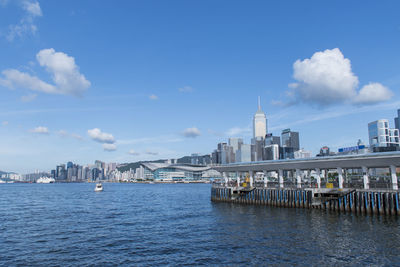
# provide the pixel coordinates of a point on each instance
(4, 123)
(133, 152)
(186, 89)
(153, 97)
(109, 147)
(191, 132)
(97, 135)
(27, 23)
(16, 79)
(28, 98)
(40, 130)
(65, 74)
(32, 7)
(151, 153)
(373, 93)
(327, 78)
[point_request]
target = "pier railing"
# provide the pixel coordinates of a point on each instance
(384, 185)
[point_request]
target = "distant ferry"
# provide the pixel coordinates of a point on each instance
(45, 180)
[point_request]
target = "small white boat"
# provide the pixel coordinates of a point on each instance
(45, 180)
(98, 188)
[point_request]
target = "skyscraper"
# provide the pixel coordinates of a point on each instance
(380, 135)
(396, 120)
(290, 139)
(259, 123)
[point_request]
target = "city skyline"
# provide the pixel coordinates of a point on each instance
(132, 92)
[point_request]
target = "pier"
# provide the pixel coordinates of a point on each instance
(316, 183)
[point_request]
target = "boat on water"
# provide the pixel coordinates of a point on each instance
(98, 188)
(45, 180)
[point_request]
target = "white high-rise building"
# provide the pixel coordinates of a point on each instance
(380, 135)
(259, 123)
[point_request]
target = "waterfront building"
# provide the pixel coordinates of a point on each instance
(173, 172)
(324, 152)
(272, 152)
(258, 149)
(272, 140)
(302, 154)
(259, 122)
(60, 172)
(382, 137)
(396, 120)
(244, 153)
(290, 139)
(235, 143)
(286, 152)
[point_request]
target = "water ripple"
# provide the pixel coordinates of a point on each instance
(146, 225)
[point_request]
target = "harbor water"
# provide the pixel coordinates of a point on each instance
(177, 224)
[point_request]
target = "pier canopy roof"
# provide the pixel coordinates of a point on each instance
(153, 166)
(371, 160)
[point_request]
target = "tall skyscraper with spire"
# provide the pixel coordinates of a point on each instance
(259, 123)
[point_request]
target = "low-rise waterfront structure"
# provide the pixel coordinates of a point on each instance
(176, 172)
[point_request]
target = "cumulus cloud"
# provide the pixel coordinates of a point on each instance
(97, 135)
(109, 147)
(327, 78)
(17, 79)
(186, 89)
(133, 152)
(28, 98)
(40, 130)
(373, 93)
(4, 123)
(191, 132)
(64, 72)
(153, 97)
(27, 23)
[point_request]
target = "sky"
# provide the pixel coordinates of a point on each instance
(122, 81)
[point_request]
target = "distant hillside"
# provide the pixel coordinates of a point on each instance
(1, 172)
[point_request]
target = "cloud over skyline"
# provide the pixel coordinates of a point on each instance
(97, 135)
(327, 78)
(109, 147)
(62, 68)
(192, 132)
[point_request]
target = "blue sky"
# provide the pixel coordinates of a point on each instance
(138, 80)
